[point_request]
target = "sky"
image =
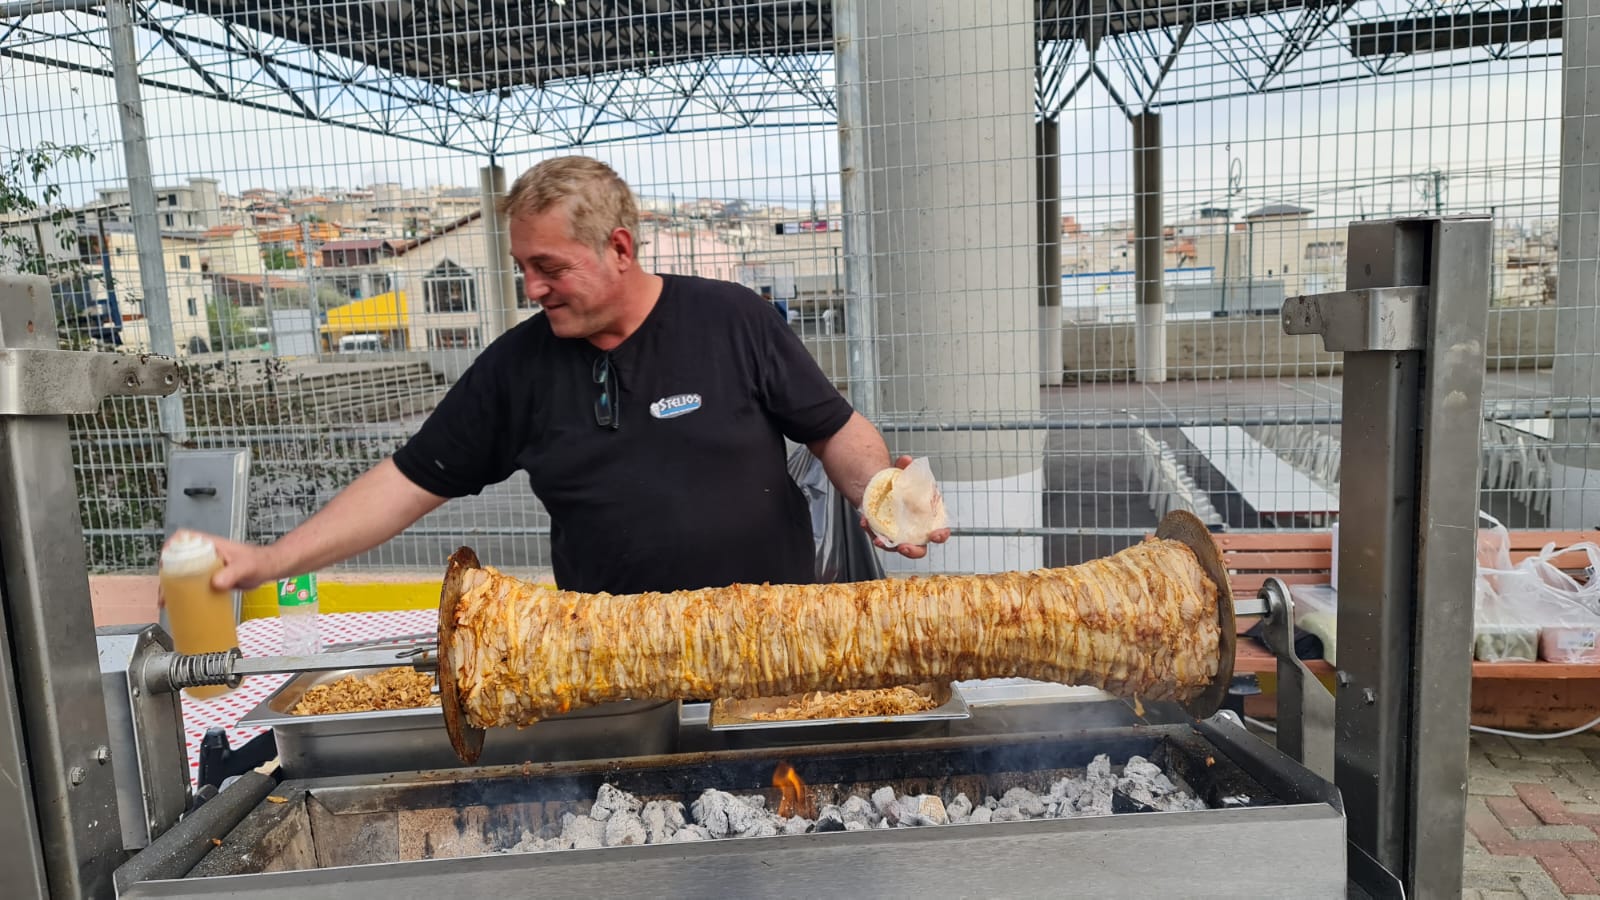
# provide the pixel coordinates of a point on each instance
(1362, 148)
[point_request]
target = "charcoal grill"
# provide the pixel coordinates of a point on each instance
(447, 831)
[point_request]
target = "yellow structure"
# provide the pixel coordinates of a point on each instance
(385, 315)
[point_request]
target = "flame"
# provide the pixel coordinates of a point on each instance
(795, 802)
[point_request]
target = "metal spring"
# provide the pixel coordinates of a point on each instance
(202, 669)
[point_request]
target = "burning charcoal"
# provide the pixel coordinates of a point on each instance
(882, 799)
(795, 825)
(830, 819)
(611, 800)
(662, 818)
(725, 815)
(857, 809)
(931, 811)
(855, 825)
(959, 809)
(689, 833)
(1022, 800)
(983, 815)
(625, 829)
(581, 833)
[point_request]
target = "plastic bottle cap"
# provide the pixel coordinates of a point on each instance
(187, 551)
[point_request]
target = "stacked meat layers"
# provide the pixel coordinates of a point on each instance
(1142, 623)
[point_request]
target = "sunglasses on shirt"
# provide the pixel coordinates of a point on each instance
(606, 412)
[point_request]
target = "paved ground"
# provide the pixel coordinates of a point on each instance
(1533, 818)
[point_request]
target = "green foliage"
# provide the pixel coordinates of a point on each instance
(25, 193)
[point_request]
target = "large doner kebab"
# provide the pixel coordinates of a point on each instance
(1151, 622)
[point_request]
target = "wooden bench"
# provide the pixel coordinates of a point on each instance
(1533, 695)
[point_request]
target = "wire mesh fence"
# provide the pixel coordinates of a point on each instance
(969, 213)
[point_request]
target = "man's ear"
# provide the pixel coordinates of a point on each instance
(621, 243)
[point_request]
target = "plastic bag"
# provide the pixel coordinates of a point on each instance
(844, 552)
(1533, 610)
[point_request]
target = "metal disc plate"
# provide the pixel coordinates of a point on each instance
(1187, 529)
(467, 740)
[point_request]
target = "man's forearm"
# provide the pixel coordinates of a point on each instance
(852, 456)
(374, 508)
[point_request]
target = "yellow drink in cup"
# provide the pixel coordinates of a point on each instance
(201, 617)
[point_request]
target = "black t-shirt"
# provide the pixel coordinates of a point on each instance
(692, 489)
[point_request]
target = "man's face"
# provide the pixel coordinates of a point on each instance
(578, 287)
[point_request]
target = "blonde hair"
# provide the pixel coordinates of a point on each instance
(597, 200)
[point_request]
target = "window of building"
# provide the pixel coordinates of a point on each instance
(172, 200)
(453, 338)
(168, 218)
(1325, 250)
(449, 288)
(183, 261)
(194, 308)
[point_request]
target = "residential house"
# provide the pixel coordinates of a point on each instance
(192, 207)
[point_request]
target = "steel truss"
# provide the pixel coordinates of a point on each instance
(490, 78)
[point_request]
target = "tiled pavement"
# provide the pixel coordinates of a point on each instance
(1533, 818)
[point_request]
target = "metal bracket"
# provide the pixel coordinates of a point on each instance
(1375, 318)
(36, 382)
(1305, 708)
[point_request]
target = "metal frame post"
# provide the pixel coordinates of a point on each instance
(142, 199)
(1049, 181)
(1411, 327)
(45, 584)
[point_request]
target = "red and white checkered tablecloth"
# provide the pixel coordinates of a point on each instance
(264, 637)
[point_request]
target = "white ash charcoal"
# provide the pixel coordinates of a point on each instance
(689, 833)
(983, 815)
(795, 825)
(857, 809)
(1009, 814)
(581, 833)
(624, 830)
(762, 828)
(959, 809)
(991, 803)
(531, 843)
(882, 800)
(725, 815)
(931, 810)
(1099, 769)
(882, 824)
(662, 818)
(756, 802)
(1024, 801)
(610, 800)
(856, 825)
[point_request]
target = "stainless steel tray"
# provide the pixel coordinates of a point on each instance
(734, 715)
(410, 739)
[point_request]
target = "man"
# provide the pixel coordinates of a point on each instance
(649, 412)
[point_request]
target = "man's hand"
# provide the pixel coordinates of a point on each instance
(909, 551)
(244, 566)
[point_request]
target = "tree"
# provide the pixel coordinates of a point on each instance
(29, 209)
(277, 258)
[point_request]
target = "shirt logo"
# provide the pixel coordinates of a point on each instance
(674, 406)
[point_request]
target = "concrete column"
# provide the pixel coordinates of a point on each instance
(1150, 346)
(1575, 448)
(1049, 175)
(500, 294)
(952, 206)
